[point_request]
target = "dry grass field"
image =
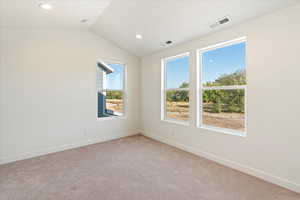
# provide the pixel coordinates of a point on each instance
(180, 111)
(115, 105)
(225, 120)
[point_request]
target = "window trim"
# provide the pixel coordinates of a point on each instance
(124, 89)
(164, 90)
(200, 88)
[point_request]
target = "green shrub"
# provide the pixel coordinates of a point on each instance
(233, 108)
(216, 108)
(114, 95)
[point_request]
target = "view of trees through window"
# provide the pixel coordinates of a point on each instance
(222, 91)
(177, 88)
(223, 87)
(178, 103)
(225, 108)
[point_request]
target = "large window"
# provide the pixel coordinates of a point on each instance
(222, 87)
(175, 88)
(110, 89)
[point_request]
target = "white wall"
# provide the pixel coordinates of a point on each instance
(48, 91)
(271, 150)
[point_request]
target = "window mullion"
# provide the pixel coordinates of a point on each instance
(232, 87)
(177, 89)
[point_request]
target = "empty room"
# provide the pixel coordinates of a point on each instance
(149, 100)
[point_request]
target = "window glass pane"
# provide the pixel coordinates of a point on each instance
(224, 66)
(110, 103)
(114, 80)
(177, 72)
(177, 105)
(110, 86)
(114, 102)
(224, 108)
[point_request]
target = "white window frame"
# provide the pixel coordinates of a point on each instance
(164, 90)
(200, 88)
(124, 90)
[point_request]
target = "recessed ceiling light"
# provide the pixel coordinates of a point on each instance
(45, 6)
(138, 36)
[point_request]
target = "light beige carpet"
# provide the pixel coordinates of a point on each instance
(132, 168)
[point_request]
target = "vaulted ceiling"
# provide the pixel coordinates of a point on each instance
(65, 13)
(120, 20)
(177, 20)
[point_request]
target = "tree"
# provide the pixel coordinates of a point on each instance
(226, 100)
(236, 78)
(217, 108)
(217, 100)
(184, 85)
(178, 96)
(114, 95)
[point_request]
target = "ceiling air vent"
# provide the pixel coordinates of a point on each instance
(167, 43)
(224, 20)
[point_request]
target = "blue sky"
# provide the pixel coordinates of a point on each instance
(216, 62)
(177, 72)
(224, 60)
(115, 79)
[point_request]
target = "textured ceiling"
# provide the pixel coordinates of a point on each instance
(177, 20)
(65, 13)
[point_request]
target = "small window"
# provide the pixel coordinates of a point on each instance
(110, 89)
(222, 87)
(175, 88)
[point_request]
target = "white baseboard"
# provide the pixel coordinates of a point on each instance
(232, 164)
(27, 155)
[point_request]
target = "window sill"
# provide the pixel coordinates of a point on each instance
(111, 118)
(176, 122)
(224, 131)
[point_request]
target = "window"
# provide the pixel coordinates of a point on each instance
(110, 89)
(222, 87)
(175, 88)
